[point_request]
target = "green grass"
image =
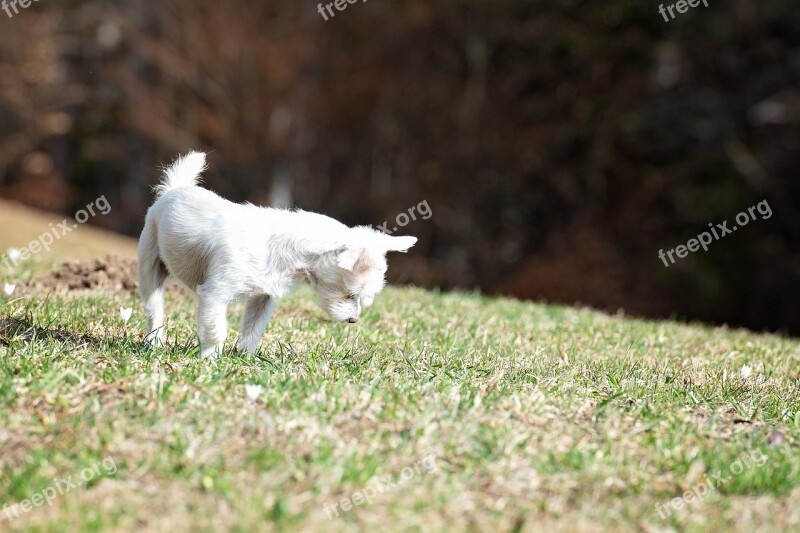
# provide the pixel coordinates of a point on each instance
(539, 417)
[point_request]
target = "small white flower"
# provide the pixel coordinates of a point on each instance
(14, 254)
(125, 314)
(9, 289)
(253, 392)
(745, 372)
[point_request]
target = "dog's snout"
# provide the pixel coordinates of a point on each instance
(353, 320)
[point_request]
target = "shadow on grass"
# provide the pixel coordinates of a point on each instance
(15, 329)
(25, 330)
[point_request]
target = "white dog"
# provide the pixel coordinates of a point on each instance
(223, 251)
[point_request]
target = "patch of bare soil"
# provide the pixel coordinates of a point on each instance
(110, 273)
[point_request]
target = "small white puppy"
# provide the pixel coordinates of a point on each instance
(223, 251)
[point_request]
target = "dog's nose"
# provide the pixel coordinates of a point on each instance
(353, 320)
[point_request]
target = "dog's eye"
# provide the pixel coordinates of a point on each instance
(352, 296)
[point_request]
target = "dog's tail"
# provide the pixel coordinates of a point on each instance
(184, 172)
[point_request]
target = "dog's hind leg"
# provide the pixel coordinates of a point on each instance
(212, 321)
(152, 278)
(257, 314)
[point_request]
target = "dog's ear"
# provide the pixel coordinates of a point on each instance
(351, 259)
(379, 242)
(399, 244)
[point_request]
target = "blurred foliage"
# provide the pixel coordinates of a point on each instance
(559, 146)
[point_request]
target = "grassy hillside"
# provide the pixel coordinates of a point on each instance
(20, 225)
(447, 411)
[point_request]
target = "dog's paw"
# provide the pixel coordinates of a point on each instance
(155, 340)
(248, 346)
(210, 353)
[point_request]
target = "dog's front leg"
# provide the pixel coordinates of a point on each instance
(212, 325)
(257, 314)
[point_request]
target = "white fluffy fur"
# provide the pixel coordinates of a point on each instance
(223, 251)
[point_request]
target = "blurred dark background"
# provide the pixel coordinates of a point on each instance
(559, 146)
